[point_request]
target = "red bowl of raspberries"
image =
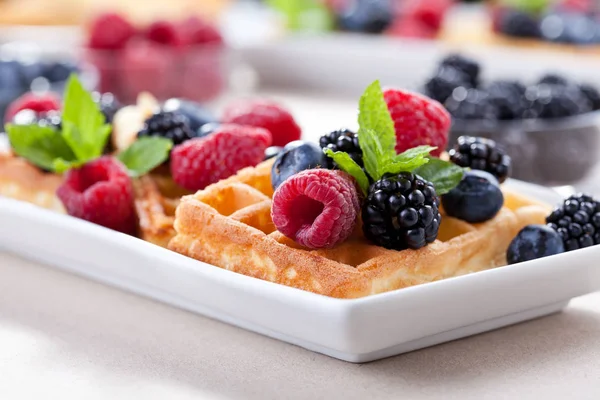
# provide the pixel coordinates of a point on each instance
(186, 58)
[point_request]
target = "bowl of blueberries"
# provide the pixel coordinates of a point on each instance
(550, 127)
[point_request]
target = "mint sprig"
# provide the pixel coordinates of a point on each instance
(145, 154)
(377, 141)
(82, 138)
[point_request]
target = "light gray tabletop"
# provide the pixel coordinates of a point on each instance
(64, 337)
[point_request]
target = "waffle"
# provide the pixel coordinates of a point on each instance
(156, 198)
(228, 225)
(23, 181)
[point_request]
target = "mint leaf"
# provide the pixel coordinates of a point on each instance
(374, 155)
(374, 115)
(60, 166)
(145, 154)
(408, 160)
(40, 145)
(347, 164)
(84, 127)
(443, 174)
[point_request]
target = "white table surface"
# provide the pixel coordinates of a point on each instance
(64, 337)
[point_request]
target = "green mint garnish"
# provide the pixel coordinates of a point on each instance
(347, 164)
(145, 154)
(377, 140)
(82, 138)
(84, 127)
(443, 174)
(40, 145)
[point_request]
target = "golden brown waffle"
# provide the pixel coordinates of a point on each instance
(156, 198)
(23, 181)
(229, 225)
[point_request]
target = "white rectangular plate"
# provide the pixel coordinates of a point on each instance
(358, 330)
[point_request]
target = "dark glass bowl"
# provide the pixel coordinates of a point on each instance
(551, 152)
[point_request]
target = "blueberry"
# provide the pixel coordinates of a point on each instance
(272, 151)
(366, 16)
(569, 27)
(58, 71)
(477, 198)
(296, 156)
(534, 241)
(519, 24)
(207, 129)
(196, 113)
(10, 77)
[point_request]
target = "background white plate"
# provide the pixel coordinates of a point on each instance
(353, 330)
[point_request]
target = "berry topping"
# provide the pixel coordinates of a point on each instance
(418, 120)
(534, 241)
(195, 31)
(169, 125)
(272, 151)
(296, 156)
(577, 221)
(467, 66)
(267, 115)
(35, 102)
(445, 81)
(100, 192)
(342, 140)
(482, 154)
(197, 115)
(317, 208)
(109, 105)
(163, 32)
(372, 16)
(520, 24)
(477, 198)
(401, 211)
(110, 32)
(199, 162)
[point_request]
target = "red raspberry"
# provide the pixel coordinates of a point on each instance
(110, 31)
(35, 102)
(265, 114)
(318, 208)
(145, 66)
(418, 120)
(429, 12)
(163, 32)
(410, 28)
(199, 162)
(100, 192)
(197, 31)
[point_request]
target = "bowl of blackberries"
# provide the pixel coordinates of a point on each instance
(19, 76)
(551, 126)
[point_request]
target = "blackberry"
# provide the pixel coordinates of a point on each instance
(592, 95)
(447, 78)
(170, 125)
(468, 66)
(520, 24)
(507, 98)
(342, 140)
(471, 104)
(553, 79)
(556, 101)
(577, 221)
(401, 212)
(481, 154)
(109, 105)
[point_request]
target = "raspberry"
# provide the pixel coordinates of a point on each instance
(318, 208)
(110, 31)
(163, 32)
(200, 162)
(145, 66)
(411, 28)
(429, 12)
(418, 120)
(267, 115)
(197, 31)
(100, 192)
(35, 102)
